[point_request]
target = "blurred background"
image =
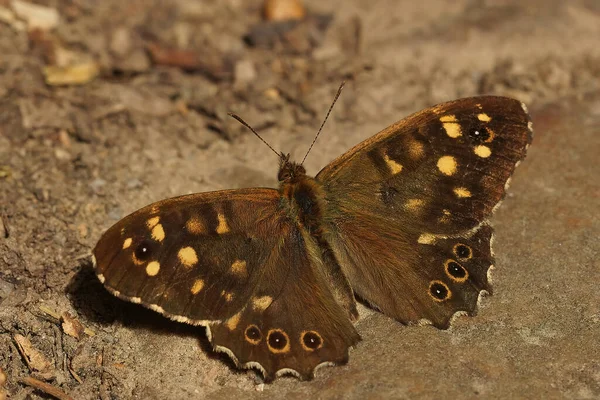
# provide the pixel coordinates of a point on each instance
(106, 106)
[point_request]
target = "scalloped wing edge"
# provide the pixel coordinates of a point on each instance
(255, 365)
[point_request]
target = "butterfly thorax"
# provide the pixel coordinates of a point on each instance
(301, 194)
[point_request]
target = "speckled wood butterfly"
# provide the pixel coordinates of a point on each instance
(400, 220)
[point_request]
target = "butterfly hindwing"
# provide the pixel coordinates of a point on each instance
(296, 328)
(399, 199)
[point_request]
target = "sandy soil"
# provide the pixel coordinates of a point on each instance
(74, 159)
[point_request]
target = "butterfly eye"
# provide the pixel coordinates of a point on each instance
(480, 134)
(439, 291)
(278, 341)
(143, 251)
(455, 271)
(462, 251)
(311, 340)
(253, 334)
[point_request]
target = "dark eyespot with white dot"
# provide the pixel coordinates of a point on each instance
(479, 134)
(144, 250)
(463, 251)
(456, 270)
(277, 340)
(312, 340)
(439, 291)
(253, 334)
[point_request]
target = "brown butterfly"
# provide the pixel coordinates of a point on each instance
(400, 220)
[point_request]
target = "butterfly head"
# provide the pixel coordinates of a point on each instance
(289, 171)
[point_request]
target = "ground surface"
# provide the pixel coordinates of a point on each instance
(75, 159)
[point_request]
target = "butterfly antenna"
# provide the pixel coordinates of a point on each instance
(337, 95)
(241, 121)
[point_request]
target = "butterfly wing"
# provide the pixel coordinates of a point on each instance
(407, 209)
(229, 260)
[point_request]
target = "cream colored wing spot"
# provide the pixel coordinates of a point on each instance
(157, 308)
(151, 223)
(158, 233)
(447, 165)
(228, 296)
(126, 243)
(223, 227)
(482, 151)
(462, 192)
(195, 226)
(483, 117)
(233, 321)
(445, 218)
(152, 268)
(394, 167)
(261, 303)
(426, 238)
(414, 205)
(451, 126)
(187, 256)
(197, 286)
(238, 268)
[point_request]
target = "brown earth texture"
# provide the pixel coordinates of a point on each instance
(107, 106)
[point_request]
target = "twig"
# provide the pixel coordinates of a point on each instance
(46, 388)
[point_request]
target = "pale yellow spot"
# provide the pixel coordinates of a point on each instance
(462, 192)
(222, 227)
(447, 165)
(154, 209)
(228, 295)
(197, 286)
(413, 204)
(127, 243)
(239, 268)
(233, 322)
(188, 256)
(158, 233)
(195, 226)
(482, 151)
(483, 117)
(152, 222)
(261, 303)
(451, 126)
(393, 165)
(448, 118)
(426, 238)
(445, 218)
(152, 268)
(416, 149)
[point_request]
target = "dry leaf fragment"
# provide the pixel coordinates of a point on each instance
(71, 326)
(35, 360)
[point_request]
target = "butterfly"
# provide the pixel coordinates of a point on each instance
(399, 221)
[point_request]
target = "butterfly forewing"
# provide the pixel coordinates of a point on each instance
(397, 201)
(441, 170)
(195, 257)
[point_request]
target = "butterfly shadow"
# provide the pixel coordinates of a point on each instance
(96, 305)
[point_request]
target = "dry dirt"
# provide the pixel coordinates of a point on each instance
(74, 159)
